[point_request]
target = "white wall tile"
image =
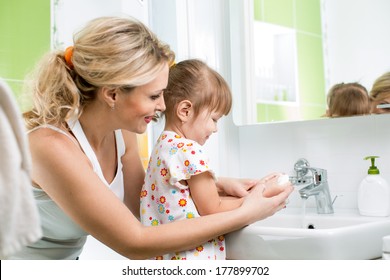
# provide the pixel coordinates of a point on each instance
(337, 145)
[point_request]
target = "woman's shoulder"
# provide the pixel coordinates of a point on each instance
(50, 134)
(48, 141)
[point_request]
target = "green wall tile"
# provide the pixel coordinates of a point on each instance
(257, 9)
(279, 12)
(311, 69)
(312, 112)
(261, 112)
(308, 16)
(24, 38)
(275, 112)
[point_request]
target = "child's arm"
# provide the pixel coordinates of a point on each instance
(240, 187)
(206, 198)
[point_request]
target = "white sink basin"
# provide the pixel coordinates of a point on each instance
(291, 235)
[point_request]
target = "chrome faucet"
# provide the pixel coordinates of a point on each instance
(315, 184)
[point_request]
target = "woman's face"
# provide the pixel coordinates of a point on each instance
(382, 99)
(137, 108)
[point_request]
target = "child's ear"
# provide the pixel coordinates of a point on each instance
(183, 110)
(109, 96)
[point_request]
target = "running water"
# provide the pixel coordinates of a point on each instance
(304, 212)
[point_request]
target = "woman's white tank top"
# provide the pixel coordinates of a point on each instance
(62, 237)
(117, 184)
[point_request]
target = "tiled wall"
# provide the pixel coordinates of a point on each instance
(24, 37)
(304, 16)
(337, 145)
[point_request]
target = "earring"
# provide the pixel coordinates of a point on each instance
(113, 107)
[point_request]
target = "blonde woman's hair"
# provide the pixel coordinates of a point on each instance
(381, 88)
(348, 99)
(193, 80)
(112, 52)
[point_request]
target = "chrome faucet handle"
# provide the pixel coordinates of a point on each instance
(301, 167)
(301, 180)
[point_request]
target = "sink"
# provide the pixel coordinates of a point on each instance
(290, 234)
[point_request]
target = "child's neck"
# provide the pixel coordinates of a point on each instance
(175, 128)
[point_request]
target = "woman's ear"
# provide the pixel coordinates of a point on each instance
(184, 110)
(109, 96)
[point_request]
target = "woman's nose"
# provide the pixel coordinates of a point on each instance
(215, 128)
(161, 105)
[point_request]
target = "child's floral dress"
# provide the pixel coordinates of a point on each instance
(166, 198)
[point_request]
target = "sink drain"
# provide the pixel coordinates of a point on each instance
(311, 226)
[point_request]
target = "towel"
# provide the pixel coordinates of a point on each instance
(19, 218)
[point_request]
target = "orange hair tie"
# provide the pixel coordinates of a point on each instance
(68, 56)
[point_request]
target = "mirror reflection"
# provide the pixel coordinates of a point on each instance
(347, 100)
(288, 54)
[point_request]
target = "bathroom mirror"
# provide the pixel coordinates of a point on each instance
(286, 54)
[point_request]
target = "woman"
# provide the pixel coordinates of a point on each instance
(89, 103)
(380, 95)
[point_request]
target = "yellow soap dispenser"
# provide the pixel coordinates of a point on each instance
(374, 193)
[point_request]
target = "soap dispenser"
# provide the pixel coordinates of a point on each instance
(374, 193)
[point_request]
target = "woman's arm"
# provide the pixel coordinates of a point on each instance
(133, 173)
(62, 170)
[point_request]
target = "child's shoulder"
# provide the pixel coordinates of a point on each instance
(174, 139)
(178, 145)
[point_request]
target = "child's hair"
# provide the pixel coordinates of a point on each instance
(193, 80)
(112, 52)
(348, 99)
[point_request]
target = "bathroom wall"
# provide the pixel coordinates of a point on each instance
(337, 145)
(358, 41)
(24, 37)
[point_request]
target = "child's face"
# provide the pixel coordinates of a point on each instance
(201, 127)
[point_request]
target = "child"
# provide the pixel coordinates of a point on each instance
(180, 182)
(348, 99)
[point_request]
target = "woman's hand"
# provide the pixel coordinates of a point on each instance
(261, 207)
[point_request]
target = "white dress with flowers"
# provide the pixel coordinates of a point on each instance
(166, 198)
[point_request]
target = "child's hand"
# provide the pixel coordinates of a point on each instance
(276, 185)
(234, 186)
